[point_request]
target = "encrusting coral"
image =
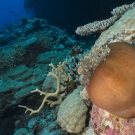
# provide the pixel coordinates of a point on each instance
(60, 74)
(90, 61)
(105, 123)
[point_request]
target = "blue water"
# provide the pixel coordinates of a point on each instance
(12, 11)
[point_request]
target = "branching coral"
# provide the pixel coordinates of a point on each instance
(119, 11)
(60, 74)
(124, 26)
(96, 26)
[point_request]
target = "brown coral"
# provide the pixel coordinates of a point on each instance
(112, 86)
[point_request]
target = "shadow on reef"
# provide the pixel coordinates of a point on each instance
(31, 53)
(8, 121)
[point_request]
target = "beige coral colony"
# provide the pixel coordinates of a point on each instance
(72, 111)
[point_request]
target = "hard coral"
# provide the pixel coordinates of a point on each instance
(105, 123)
(72, 112)
(99, 26)
(60, 74)
(112, 86)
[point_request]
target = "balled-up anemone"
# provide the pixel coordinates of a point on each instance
(112, 85)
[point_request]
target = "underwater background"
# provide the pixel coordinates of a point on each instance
(34, 34)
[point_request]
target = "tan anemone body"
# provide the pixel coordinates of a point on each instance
(112, 85)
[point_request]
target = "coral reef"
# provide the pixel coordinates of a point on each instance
(106, 66)
(122, 30)
(17, 82)
(27, 48)
(111, 84)
(36, 36)
(76, 50)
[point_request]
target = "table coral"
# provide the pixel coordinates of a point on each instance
(99, 26)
